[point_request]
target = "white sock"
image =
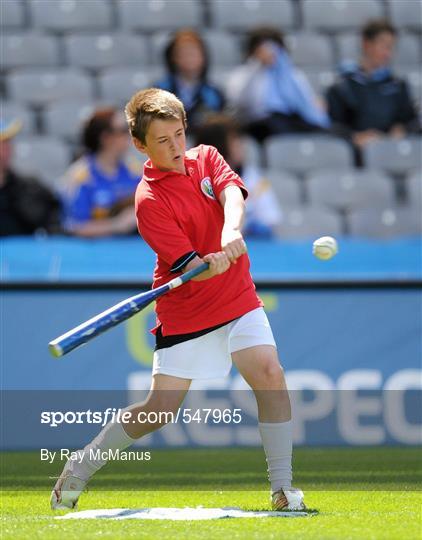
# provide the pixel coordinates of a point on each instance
(112, 437)
(277, 442)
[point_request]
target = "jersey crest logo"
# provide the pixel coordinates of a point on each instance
(206, 188)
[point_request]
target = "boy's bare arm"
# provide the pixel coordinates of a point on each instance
(232, 242)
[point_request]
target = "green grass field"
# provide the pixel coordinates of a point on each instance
(359, 493)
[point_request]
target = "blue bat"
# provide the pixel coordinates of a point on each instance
(113, 316)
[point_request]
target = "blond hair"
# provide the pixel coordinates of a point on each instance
(148, 105)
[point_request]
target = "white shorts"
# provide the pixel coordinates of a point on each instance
(209, 356)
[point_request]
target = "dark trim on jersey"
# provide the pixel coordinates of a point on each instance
(164, 342)
(183, 261)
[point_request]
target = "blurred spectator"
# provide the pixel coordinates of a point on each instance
(263, 214)
(187, 63)
(100, 186)
(269, 93)
(369, 101)
(26, 205)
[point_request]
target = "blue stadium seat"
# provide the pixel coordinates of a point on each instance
(253, 152)
(44, 157)
(29, 49)
(155, 73)
(64, 119)
(118, 84)
(320, 79)
(156, 15)
(408, 52)
(301, 154)
(385, 223)
(106, 50)
(311, 50)
(395, 156)
(348, 46)
(220, 76)
(406, 13)
(67, 15)
(335, 15)
(38, 87)
(11, 110)
(158, 42)
(350, 188)
(309, 222)
(413, 76)
(224, 48)
(245, 14)
(414, 189)
(286, 187)
(12, 15)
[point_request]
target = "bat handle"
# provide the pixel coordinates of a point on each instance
(176, 282)
(194, 272)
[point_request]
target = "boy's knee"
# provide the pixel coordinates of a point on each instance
(271, 373)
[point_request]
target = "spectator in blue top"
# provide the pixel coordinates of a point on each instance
(369, 101)
(186, 58)
(100, 186)
(269, 95)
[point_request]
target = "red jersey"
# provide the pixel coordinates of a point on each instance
(181, 214)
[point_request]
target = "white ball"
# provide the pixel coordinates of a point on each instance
(325, 248)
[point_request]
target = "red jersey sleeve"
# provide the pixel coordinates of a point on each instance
(158, 228)
(221, 173)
